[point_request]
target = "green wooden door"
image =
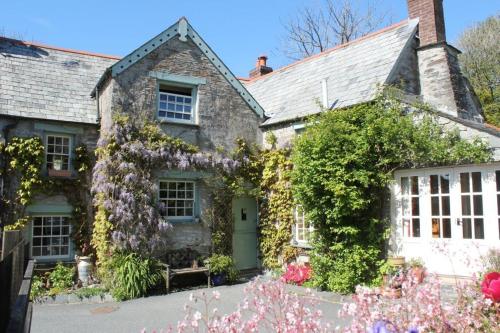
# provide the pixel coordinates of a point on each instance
(245, 232)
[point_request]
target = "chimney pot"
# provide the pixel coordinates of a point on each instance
(260, 67)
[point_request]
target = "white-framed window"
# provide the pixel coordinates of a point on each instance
(178, 197)
(58, 152)
(410, 206)
(440, 205)
(50, 237)
(471, 189)
(176, 104)
(302, 229)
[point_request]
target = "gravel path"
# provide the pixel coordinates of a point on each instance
(152, 313)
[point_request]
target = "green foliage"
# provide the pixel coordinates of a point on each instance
(479, 61)
(61, 277)
(100, 240)
(491, 261)
(19, 224)
(344, 162)
(88, 292)
(133, 276)
(222, 264)
(37, 288)
(276, 209)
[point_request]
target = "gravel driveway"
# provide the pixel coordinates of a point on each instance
(152, 313)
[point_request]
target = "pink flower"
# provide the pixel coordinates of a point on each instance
(491, 286)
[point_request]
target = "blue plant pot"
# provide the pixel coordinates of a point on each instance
(219, 279)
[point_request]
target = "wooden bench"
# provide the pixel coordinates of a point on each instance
(182, 262)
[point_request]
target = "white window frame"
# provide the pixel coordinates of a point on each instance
(166, 199)
(471, 194)
(33, 236)
(407, 219)
(162, 105)
(70, 144)
(301, 225)
(440, 195)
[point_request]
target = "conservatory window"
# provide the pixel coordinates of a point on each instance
(176, 104)
(410, 206)
(472, 205)
(58, 152)
(178, 198)
(302, 229)
(50, 236)
(440, 206)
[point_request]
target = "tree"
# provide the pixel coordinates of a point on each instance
(480, 62)
(314, 30)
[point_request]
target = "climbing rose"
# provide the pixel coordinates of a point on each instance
(297, 274)
(491, 286)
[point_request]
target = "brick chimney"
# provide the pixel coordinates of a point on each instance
(260, 67)
(431, 20)
(442, 83)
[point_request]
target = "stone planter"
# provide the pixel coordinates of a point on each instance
(84, 269)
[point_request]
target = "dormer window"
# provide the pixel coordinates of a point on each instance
(176, 104)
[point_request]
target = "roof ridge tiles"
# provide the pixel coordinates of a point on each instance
(56, 48)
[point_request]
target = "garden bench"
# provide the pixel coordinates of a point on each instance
(182, 262)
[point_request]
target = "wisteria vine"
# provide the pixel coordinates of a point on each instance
(124, 182)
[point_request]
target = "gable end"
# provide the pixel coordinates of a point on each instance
(184, 30)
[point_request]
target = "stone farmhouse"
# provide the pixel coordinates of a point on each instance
(67, 98)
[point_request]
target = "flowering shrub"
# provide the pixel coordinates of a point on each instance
(421, 309)
(125, 186)
(297, 274)
(268, 307)
(491, 286)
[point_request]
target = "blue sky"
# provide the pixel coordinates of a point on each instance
(237, 30)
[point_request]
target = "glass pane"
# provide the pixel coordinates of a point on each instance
(435, 206)
(415, 207)
(405, 206)
(189, 212)
(171, 98)
(163, 97)
(189, 186)
(186, 116)
(50, 140)
(435, 228)
(180, 212)
(445, 184)
(464, 182)
(37, 241)
(434, 184)
(478, 229)
(478, 204)
(414, 185)
(416, 228)
(187, 100)
(467, 228)
(446, 228)
(476, 182)
(498, 203)
(36, 251)
(404, 185)
(64, 250)
(466, 209)
(37, 231)
(178, 107)
(445, 206)
(497, 174)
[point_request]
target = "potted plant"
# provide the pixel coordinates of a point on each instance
(396, 261)
(417, 269)
(222, 269)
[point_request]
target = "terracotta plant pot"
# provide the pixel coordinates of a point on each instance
(59, 173)
(396, 261)
(393, 293)
(418, 273)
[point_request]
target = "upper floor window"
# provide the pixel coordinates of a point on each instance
(410, 202)
(58, 152)
(178, 198)
(176, 104)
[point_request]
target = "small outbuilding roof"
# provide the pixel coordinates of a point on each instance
(45, 82)
(351, 73)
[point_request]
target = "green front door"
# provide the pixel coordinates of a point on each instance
(245, 233)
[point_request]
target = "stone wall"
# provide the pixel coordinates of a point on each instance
(284, 133)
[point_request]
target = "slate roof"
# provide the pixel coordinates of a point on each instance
(44, 82)
(353, 71)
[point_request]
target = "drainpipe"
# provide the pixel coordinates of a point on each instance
(97, 101)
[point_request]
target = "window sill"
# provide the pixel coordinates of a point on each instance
(180, 123)
(302, 245)
(194, 220)
(59, 173)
